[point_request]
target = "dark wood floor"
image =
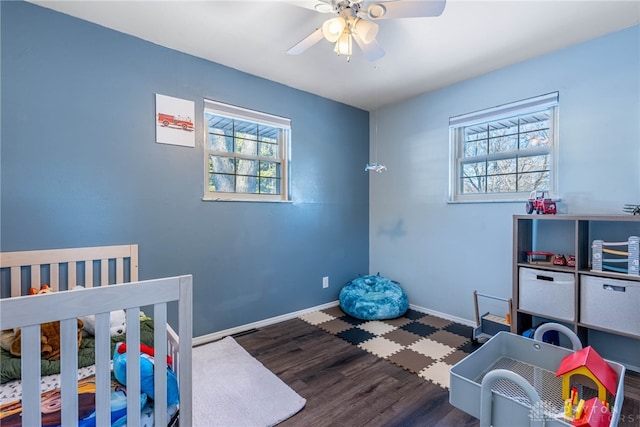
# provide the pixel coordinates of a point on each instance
(346, 386)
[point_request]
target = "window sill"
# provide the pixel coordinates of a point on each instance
(510, 200)
(247, 199)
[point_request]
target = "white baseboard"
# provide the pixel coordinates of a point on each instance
(444, 315)
(204, 339)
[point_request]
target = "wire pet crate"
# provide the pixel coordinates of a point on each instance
(511, 380)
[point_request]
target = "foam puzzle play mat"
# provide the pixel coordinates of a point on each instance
(420, 343)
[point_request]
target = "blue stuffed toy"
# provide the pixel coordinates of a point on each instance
(146, 372)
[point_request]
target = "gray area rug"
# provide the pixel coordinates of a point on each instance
(233, 389)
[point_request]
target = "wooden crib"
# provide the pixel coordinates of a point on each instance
(96, 269)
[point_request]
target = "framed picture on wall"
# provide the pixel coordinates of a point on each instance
(174, 121)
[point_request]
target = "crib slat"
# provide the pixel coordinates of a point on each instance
(88, 274)
(54, 277)
(119, 270)
(16, 282)
(103, 372)
(35, 276)
(185, 328)
(133, 266)
(30, 348)
(104, 272)
(160, 357)
(133, 365)
(71, 275)
(68, 370)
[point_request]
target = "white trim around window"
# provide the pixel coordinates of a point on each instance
(246, 154)
(502, 153)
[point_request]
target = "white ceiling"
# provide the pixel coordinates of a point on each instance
(470, 38)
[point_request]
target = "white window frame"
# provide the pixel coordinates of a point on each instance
(256, 117)
(516, 109)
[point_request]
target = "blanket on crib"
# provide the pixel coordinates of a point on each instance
(51, 406)
(10, 368)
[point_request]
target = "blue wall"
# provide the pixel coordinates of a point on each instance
(442, 252)
(80, 167)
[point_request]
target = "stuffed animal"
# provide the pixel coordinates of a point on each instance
(49, 334)
(117, 321)
(147, 366)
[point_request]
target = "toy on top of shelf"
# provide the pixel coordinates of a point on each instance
(632, 209)
(559, 259)
(539, 257)
(630, 257)
(540, 202)
(571, 261)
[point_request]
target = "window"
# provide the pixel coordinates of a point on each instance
(246, 154)
(504, 153)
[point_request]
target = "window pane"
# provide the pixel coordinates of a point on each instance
(220, 143)
(502, 128)
(475, 148)
(247, 167)
(218, 164)
(474, 185)
(534, 139)
(267, 133)
(219, 125)
(474, 133)
(246, 184)
(501, 184)
(270, 185)
(222, 183)
(247, 146)
(474, 169)
(503, 144)
(497, 167)
(533, 181)
(268, 149)
(270, 169)
(536, 121)
(245, 130)
(533, 163)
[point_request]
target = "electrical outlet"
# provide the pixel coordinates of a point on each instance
(325, 282)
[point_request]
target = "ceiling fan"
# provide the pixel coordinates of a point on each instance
(355, 21)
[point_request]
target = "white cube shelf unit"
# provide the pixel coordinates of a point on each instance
(601, 307)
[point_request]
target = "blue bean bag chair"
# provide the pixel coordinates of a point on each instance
(373, 298)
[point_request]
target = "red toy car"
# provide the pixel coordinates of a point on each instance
(559, 260)
(540, 202)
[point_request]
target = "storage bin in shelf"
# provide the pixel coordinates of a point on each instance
(549, 293)
(610, 303)
(548, 267)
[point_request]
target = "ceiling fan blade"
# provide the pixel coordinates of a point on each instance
(372, 51)
(406, 9)
(322, 6)
(307, 42)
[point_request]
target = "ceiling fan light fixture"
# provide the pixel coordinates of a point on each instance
(333, 28)
(344, 44)
(367, 30)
